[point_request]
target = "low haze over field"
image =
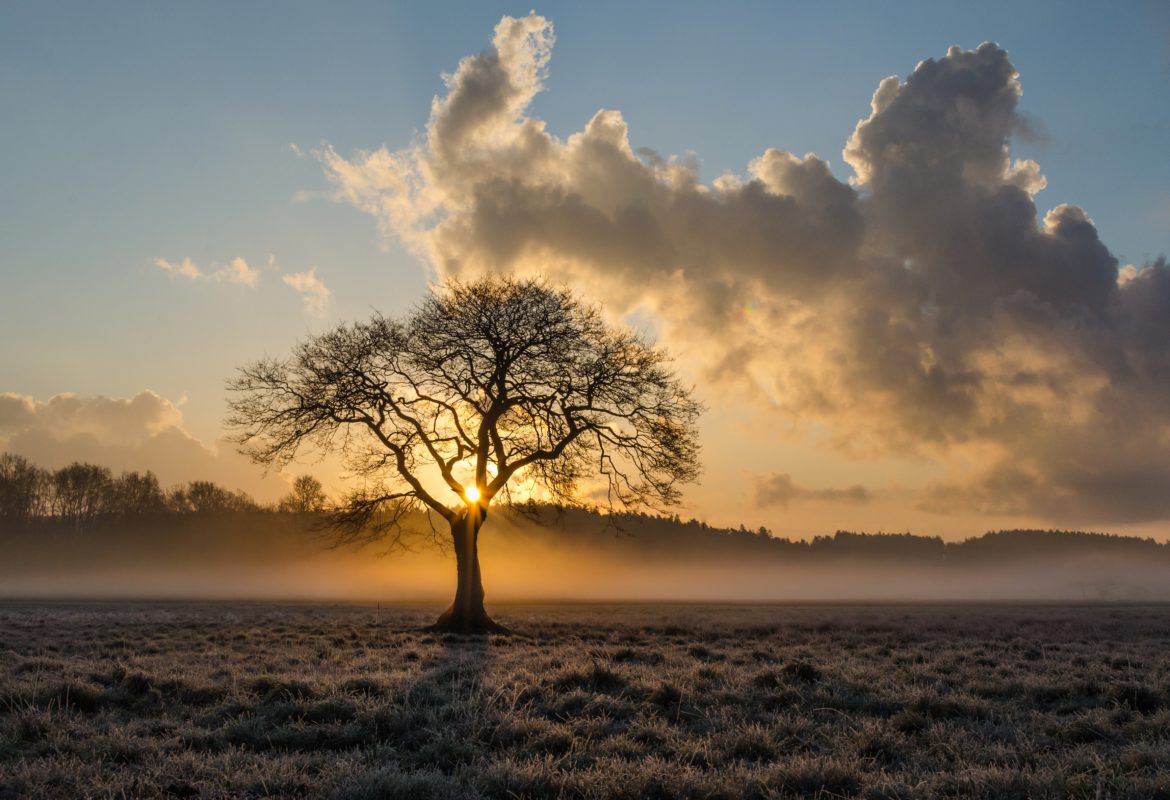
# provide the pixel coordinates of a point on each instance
(550, 554)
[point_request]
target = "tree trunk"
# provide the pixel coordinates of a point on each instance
(466, 614)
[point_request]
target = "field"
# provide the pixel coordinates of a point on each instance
(592, 701)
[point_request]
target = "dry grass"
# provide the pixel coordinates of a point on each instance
(585, 701)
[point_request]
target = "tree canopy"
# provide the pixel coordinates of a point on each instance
(484, 387)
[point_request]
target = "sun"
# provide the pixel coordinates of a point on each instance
(471, 493)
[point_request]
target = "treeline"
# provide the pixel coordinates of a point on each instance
(675, 535)
(82, 494)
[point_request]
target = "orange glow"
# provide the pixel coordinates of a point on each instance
(471, 493)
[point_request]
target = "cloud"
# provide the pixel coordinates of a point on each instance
(780, 490)
(108, 420)
(185, 269)
(143, 432)
(237, 271)
(926, 307)
(314, 294)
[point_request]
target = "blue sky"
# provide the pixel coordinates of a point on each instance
(137, 131)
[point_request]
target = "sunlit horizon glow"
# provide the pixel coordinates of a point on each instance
(911, 295)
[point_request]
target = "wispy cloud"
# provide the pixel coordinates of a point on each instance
(237, 271)
(314, 293)
(185, 268)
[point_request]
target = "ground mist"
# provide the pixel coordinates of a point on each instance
(565, 555)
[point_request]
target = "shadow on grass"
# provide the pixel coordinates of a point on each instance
(435, 727)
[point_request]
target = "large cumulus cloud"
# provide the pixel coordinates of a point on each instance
(924, 306)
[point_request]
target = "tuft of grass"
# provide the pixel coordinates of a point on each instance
(274, 691)
(598, 678)
(32, 725)
(1136, 697)
(665, 695)
(363, 687)
(802, 671)
(73, 695)
(909, 722)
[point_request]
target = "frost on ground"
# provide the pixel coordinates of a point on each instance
(591, 701)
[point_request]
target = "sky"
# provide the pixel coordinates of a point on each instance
(952, 318)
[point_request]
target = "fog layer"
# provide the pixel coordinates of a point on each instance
(576, 556)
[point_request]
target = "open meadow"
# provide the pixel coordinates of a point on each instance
(593, 701)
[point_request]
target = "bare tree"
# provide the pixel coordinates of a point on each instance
(206, 497)
(23, 490)
(307, 496)
(80, 492)
(487, 386)
(135, 494)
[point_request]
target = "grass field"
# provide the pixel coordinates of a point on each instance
(644, 701)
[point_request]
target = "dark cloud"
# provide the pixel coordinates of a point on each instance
(926, 307)
(780, 490)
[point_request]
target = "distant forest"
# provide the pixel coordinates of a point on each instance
(86, 498)
(80, 495)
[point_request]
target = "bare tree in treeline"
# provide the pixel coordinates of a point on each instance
(23, 489)
(306, 497)
(205, 497)
(135, 493)
(81, 492)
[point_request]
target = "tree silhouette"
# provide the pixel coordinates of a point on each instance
(206, 497)
(134, 494)
(23, 489)
(307, 496)
(485, 387)
(80, 492)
